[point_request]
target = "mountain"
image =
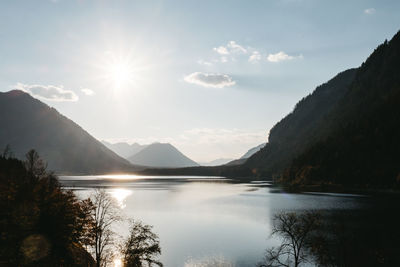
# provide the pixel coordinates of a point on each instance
(252, 151)
(232, 162)
(361, 144)
(28, 123)
(161, 155)
(301, 128)
(123, 149)
(246, 155)
(216, 162)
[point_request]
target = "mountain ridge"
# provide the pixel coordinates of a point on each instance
(362, 147)
(124, 149)
(161, 155)
(27, 123)
(299, 129)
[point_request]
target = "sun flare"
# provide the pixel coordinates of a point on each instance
(120, 70)
(120, 74)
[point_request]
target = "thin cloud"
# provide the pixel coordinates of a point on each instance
(236, 48)
(255, 57)
(214, 80)
(221, 50)
(369, 11)
(87, 91)
(204, 62)
(48, 92)
(219, 142)
(231, 48)
(223, 59)
(281, 56)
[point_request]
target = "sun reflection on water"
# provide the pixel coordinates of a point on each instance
(120, 194)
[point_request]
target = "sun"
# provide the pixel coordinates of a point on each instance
(120, 74)
(120, 70)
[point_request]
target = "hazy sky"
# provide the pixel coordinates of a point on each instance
(210, 77)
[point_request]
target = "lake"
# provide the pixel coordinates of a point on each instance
(207, 221)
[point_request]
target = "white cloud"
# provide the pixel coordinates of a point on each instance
(48, 92)
(214, 80)
(218, 142)
(87, 91)
(233, 51)
(221, 136)
(281, 56)
(255, 57)
(231, 48)
(221, 50)
(369, 11)
(235, 48)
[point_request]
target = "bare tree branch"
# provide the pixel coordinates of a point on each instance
(295, 230)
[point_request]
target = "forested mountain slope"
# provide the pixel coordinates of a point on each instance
(298, 130)
(363, 145)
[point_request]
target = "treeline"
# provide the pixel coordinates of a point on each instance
(42, 224)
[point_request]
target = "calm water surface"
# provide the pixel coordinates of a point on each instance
(206, 221)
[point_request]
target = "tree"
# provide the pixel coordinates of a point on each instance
(41, 223)
(142, 246)
(7, 152)
(105, 213)
(296, 231)
(34, 164)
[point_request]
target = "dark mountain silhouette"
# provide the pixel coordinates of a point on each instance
(246, 155)
(301, 128)
(161, 155)
(252, 151)
(123, 149)
(27, 123)
(360, 144)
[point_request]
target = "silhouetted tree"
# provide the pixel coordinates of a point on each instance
(105, 213)
(7, 152)
(34, 164)
(41, 224)
(296, 231)
(142, 246)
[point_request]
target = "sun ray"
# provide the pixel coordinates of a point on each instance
(121, 70)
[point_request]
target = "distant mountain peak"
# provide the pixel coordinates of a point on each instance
(124, 149)
(161, 155)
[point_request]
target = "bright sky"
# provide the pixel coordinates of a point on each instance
(210, 77)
